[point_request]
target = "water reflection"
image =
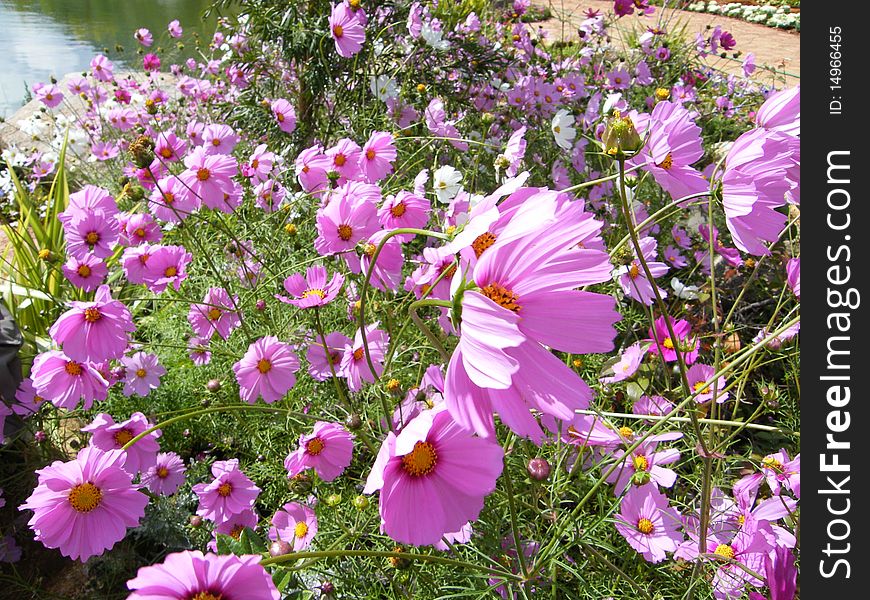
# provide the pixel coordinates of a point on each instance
(44, 38)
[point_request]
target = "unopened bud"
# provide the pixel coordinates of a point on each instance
(620, 136)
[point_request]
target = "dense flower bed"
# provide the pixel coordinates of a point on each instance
(398, 298)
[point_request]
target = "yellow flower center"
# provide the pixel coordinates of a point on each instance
(123, 436)
(215, 142)
(73, 368)
(85, 497)
(337, 31)
(741, 519)
(170, 272)
(700, 387)
(640, 463)
(140, 372)
(369, 249)
(139, 233)
(667, 163)
(203, 174)
(214, 314)
(314, 292)
(168, 197)
(166, 152)
(345, 232)
(626, 432)
(314, 446)
(224, 490)
(280, 117)
(482, 242)
(206, 596)
(301, 529)
(421, 460)
(92, 238)
(668, 343)
(501, 296)
(92, 315)
(662, 94)
(84, 271)
(358, 354)
(724, 550)
(645, 526)
(772, 463)
(264, 365)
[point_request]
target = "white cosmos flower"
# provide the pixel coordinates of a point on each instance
(433, 37)
(446, 181)
(563, 129)
(686, 292)
(384, 87)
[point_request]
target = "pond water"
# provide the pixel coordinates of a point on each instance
(44, 38)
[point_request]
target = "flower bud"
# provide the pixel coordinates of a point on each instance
(620, 136)
(142, 150)
(195, 520)
(213, 385)
(279, 548)
(361, 502)
(539, 469)
(353, 421)
(333, 500)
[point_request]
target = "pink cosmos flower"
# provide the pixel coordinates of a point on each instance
(217, 314)
(731, 255)
(377, 156)
(294, 523)
(344, 159)
(515, 151)
(350, 216)
(346, 30)
(209, 177)
(674, 258)
(644, 465)
(438, 125)
(151, 62)
(90, 199)
(190, 574)
(632, 278)
(218, 138)
(261, 164)
(138, 229)
(663, 345)
(233, 527)
(354, 365)
(64, 382)
(174, 28)
(313, 290)
(91, 233)
(166, 475)
(427, 465)
(756, 179)
(328, 450)
(267, 369)
(782, 112)
(144, 37)
(108, 435)
(27, 401)
(627, 364)
(782, 472)
(228, 494)
(749, 547)
(168, 147)
(84, 506)
(142, 373)
(165, 265)
(284, 114)
(86, 273)
(171, 201)
(674, 145)
(793, 271)
(320, 358)
(697, 376)
(101, 68)
(648, 523)
(652, 405)
(48, 94)
(404, 210)
(103, 151)
(269, 195)
(197, 350)
(311, 167)
(387, 270)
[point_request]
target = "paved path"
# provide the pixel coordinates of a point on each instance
(775, 48)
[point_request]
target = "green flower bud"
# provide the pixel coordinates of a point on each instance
(620, 136)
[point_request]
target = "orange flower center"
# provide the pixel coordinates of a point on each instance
(501, 296)
(170, 272)
(203, 174)
(84, 271)
(140, 372)
(264, 365)
(345, 232)
(85, 497)
(337, 31)
(398, 210)
(339, 160)
(214, 314)
(370, 154)
(206, 596)
(123, 436)
(645, 526)
(162, 472)
(92, 315)
(73, 368)
(92, 237)
(166, 152)
(667, 163)
(482, 242)
(626, 432)
(314, 446)
(633, 271)
(168, 197)
(421, 460)
(224, 490)
(358, 354)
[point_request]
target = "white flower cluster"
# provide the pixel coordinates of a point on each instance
(772, 16)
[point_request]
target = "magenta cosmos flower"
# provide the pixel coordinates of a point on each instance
(27, 401)
(644, 465)
(793, 272)
(428, 485)
(64, 382)
(94, 331)
(164, 266)
(197, 576)
(313, 290)
(230, 492)
(697, 376)
(209, 177)
(166, 475)
(648, 523)
(284, 114)
(782, 112)
(294, 523)
(82, 507)
(86, 273)
(91, 233)
(663, 345)
(108, 435)
(267, 369)
(347, 31)
(328, 450)
(632, 278)
(627, 364)
(217, 314)
(354, 365)
(350, 216)
(142, 373)
(377, 157)
(404, 210)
